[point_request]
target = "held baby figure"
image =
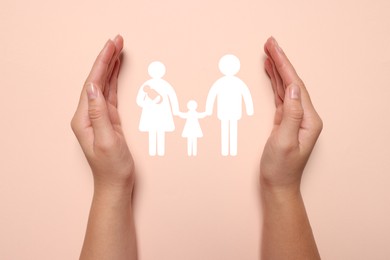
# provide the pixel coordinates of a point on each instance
(192, 130)
(151, 95)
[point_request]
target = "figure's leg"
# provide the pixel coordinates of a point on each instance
(195, 146)
(233, 137)
(225, 137)
(152, 143)
(160, 143)
(189, 146)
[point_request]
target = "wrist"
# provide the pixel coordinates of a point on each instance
(113, 191)
(280, 192)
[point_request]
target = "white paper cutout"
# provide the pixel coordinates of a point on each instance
(229, 91)
(156, 97)
(192, 130)
(159, 103)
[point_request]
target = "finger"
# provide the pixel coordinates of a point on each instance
(266, 49)
(97, 74)
(279, 83)
(288, 73)
(292, 117)
(112, 95)
(98, 115)
(99, 70)
(282, 63)
(278, 100)
(118, 41)
(270, 72)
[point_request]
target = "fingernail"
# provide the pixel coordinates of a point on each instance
(91, 91)
(295, 92)
(278, 48)
(108, 42)
(105, 47)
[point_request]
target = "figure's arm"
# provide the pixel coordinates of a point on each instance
(286, 230)
(156, 100)
(182, 115)
(211, 99)
(173, 100)
(141, 96)
(202, 115)
(247, 99)
(110, 232)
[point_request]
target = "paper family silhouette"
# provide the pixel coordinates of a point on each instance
(159, 104)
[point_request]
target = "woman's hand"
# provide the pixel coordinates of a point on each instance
(286, 228)
(296, 125)
(97, 125)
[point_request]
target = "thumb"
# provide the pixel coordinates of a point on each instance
(292, 115)
(98, 114)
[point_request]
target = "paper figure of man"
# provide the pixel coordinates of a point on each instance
(229, 91)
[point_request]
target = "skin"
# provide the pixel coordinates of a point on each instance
(286, 229)
(110, 232)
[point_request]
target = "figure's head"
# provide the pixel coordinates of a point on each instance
(156, 70)
(147, 88)
(229, 65)
(192, 105)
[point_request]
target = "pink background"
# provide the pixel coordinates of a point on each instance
(206, 207)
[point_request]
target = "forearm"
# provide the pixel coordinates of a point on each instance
(110, 232)
(286, 230)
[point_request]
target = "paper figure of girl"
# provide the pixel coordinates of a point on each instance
(192, 130)
(156, 97)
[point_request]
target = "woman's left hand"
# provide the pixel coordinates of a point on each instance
(97, 125)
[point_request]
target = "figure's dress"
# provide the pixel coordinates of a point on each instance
(192, 126)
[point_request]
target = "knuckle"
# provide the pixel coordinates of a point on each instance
(316, 126)
(94, 112)
(74, 124)
(296, 113)
(319, 125)
(105, 146)
(282, 66)
(286, 146)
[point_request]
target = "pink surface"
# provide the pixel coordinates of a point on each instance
(206, 207)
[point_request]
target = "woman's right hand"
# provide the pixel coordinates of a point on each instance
(296, 125)
(97, 125)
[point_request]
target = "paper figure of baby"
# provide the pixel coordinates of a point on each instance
(152, 95)
(192, 130)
